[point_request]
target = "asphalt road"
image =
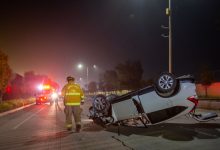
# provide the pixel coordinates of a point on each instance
(41, 127)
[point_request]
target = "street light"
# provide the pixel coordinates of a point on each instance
(80, 66)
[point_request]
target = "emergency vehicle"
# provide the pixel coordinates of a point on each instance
(47, 94)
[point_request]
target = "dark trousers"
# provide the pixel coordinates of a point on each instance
(74, 111)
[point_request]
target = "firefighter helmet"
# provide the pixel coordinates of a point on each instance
(70, 78)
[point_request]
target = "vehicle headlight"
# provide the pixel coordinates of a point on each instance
(54, 95)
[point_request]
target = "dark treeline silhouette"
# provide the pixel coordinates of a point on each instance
(5, 73)
(125, 76)
(129, 75)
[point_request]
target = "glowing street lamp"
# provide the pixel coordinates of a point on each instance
(80, 66)
(94, 66)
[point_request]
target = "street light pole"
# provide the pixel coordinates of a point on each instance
(170, 39)
(80, 66)
(169, 13)
(169, 27)
(87, 77)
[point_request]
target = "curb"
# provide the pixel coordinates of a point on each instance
(14, 110)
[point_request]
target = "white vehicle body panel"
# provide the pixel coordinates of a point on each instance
(124, 110)
(151, 105)
(152, 102)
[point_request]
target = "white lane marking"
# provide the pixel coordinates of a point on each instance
(18, 125)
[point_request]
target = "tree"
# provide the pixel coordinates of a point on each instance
(130, 74)
(31, 81)
(17, 86)
(206, 78)
(92, 87)
(5, 73)
(148, 82)
(110, 79)
(101, 86)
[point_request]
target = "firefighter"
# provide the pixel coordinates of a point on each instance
(73, 98)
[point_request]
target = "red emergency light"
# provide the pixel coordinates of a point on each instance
(8, 89)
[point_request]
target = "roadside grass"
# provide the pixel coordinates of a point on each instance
(15, 103)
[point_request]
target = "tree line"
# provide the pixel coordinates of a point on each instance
(125, 76)
(129, 76)
(16, 86)
(26, 86)
(5, 73)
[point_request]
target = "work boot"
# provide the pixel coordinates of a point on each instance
(78, 127)
(69, 128)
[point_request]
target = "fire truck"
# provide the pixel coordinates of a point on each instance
(47, 93)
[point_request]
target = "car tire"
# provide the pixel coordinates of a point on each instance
(166, 84)
(100, 103)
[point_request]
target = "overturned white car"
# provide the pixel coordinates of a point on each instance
(168, 98)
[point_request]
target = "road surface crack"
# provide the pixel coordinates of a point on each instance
(122, 142)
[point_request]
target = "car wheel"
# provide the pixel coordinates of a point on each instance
(166, 84)
(100, 103)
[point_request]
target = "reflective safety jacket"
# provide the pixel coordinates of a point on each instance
(73, 94)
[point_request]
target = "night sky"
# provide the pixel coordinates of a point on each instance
(52, 36)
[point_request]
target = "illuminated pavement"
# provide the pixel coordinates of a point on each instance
(41, 127)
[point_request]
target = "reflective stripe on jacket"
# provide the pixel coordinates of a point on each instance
(72, 104)
(73, 94)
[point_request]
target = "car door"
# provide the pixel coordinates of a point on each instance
(151, 102)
